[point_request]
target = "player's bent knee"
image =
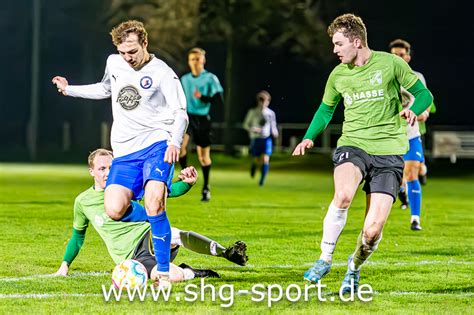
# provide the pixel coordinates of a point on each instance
(372, 235)
(114, 210)
(114, 215)
(342, 199)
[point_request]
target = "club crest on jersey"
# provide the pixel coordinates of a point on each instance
(98, 220)
(347, 99)
(146, 82)
(375, 77)
(129, 98)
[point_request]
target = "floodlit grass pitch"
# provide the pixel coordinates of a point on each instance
(427, 272)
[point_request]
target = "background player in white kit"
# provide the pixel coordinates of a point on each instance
(410, 191)
(260, 123)
(149, 110)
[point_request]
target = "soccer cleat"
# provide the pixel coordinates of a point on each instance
(201, 273)
(237, 253)
(415, 226)
(402, 195)
(319, 270)
(206, 194)
(351, 278)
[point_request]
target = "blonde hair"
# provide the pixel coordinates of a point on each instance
(98, 152)
(197, 50)
(120, 32)
(351, 26)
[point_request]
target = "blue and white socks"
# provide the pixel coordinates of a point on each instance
(414, 199)
(161, 236)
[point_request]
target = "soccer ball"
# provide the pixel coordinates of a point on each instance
(129, 273)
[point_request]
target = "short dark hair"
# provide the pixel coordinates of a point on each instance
(400, 43)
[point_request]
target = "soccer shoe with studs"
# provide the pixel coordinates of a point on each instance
(201, 273)
(237, 253)
(319, 270)
(206, 195)
(415, 226)
(351, 278)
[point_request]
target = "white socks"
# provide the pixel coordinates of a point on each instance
(188, 274)
(363, 252)
(334, 223)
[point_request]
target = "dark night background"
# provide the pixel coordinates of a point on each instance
(75, 43)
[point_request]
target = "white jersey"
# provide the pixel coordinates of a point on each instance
(148, 105)
(407, 102)
(263, 119)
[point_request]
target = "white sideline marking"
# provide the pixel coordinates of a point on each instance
(46, 295)
(102, 273)
(369, 263)
(461, 294)
(56, 295)
(73, 275)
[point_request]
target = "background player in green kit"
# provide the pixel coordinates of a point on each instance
(202, 88)
(126, 240)
(372, 142)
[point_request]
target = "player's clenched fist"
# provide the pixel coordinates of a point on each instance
(188, 175)
(60, 83)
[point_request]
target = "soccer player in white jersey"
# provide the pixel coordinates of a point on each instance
(411, 187)
(260, 123)
(372, 142)
(149, 110)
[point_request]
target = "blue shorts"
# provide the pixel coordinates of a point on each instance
(261, 146)
(134, 170)
(415, 153)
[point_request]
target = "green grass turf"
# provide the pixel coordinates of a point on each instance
(412, 272)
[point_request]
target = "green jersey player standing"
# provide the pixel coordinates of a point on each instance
(372, 142)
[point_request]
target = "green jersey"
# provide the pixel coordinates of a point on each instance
(372, 103)
(121, 238)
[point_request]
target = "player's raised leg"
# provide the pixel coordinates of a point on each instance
(347, 178)
(117, 200)
(198, 243)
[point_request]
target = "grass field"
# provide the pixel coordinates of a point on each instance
(426, 272)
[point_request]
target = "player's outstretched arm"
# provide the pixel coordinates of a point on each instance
(72, 249)
(321, 119)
